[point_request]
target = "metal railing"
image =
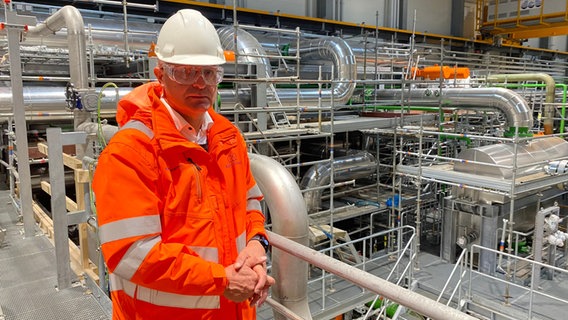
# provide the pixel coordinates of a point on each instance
(461, 263)
(527, 298)
(365, 280)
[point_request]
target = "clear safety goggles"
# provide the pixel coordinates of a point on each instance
(188, 75)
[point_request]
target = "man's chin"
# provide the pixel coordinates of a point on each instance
(199, 103)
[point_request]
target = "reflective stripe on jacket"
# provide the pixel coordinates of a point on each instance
(172, 216)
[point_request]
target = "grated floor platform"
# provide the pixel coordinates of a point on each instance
(28, 277)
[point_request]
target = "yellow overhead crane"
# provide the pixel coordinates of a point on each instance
(515, 21)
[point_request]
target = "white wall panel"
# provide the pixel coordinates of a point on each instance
(432, 16)
(295, 7)
(358, 11)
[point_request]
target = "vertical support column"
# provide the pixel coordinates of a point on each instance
(55, 141)
(14, 27)
(58, 209)
(457, 21)
(259, 91)
(449, 231)
(490, 220)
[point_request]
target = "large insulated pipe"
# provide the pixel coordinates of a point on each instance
(344, 64)
(38, 99)
(290, 220)
(359, 165)
(514, 107)
(106, 131)
(71, 18)
(337, 49)
(550, 86)
(328, 48)
(106, 32)
(249, 49)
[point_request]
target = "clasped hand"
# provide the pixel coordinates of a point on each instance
(247, 276)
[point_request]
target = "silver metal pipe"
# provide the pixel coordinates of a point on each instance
(391, 291)
(71, 18)
(106, 32)
(39, 99)
(52, 98)
(289, 219)
(335, 49)
(287, 313)
(107, 130)
(346, 168)
(550, 85)
(120, 3)
(512, 104)
(344, 64)
(248, 49)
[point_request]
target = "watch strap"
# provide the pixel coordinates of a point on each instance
(263, 241)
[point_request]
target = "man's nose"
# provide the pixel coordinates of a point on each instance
(199, 81)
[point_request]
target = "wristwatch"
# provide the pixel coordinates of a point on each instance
(263, 241)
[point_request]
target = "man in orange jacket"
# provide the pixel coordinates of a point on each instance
(179, 215)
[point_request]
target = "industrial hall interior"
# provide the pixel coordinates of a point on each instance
(398, 159)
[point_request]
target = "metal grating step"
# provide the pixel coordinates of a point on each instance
(28, 277)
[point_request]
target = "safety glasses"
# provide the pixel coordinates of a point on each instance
(188, 75)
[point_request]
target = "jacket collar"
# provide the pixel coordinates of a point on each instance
(167, 135)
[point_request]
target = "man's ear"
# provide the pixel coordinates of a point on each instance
(159, 72)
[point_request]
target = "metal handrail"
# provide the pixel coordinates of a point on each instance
(531, 290)
(366, 244)
(459, 263)
(412, 255)
(281, 309)
(368, 281)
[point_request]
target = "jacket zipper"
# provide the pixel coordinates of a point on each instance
(197, 171)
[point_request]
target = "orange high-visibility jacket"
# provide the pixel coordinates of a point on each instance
(171, 215)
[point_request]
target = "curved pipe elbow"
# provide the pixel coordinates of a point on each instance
(513, 105)
(289, 219)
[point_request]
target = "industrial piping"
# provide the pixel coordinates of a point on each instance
(289, 219)
(336, 49)
(328, 48)
(355, 166)
(45, 99)
(514, 107)
(550, 89)
(345, 65)
(71, 18)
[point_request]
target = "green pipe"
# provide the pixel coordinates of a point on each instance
(563, 110)
(523, 132)
(415, 108)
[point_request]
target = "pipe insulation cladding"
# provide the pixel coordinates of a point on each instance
(514, 106)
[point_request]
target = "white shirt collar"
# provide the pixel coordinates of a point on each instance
(186, 129)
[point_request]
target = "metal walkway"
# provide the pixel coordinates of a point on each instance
(28, 277)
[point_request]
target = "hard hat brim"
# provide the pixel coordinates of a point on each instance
(193, 59)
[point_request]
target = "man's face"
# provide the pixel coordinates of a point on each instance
(189, 89)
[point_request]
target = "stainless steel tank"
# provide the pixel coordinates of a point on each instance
(530, 157)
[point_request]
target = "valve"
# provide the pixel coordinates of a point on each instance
(72, 98)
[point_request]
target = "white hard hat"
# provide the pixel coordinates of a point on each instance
(188, 37)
